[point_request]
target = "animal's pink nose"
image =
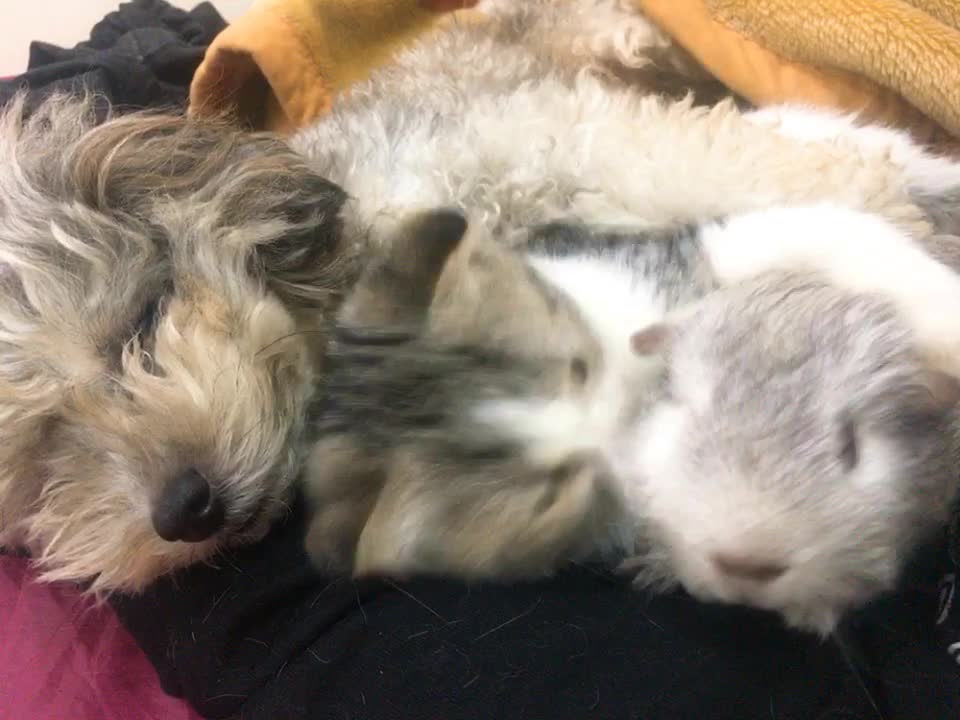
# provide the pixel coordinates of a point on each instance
(744, 567)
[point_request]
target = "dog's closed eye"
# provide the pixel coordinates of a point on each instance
(147, 320)
(139, 330)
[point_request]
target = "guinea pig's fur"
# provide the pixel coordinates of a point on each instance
(802, 449)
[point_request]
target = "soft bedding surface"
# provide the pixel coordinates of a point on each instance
(62, 658)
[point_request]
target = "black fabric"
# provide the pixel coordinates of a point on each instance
(143, 55)
(263, 636)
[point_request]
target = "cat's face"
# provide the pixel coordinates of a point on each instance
(450, 429)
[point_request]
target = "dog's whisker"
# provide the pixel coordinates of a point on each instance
(288, 336)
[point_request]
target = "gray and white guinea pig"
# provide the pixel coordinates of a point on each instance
(801, 451)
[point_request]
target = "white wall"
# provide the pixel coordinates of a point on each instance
(65, 23)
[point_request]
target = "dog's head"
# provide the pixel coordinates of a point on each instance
(162, 288)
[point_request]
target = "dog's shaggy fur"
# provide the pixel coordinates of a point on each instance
(162, 281)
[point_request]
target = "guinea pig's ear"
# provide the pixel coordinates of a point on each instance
(301, 261)
(655, 339)
(944, 389)
(397, 290)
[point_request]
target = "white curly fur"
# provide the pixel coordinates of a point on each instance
(493, 118)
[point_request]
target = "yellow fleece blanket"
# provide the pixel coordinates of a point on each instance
(279, 66)
(897, 61)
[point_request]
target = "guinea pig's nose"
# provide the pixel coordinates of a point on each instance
(745, 567)
(188, 510)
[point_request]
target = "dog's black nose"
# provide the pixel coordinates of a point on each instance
(188, 510)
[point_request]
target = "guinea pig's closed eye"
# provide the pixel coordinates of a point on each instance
(849, 450)
(579, 370)
(148, 317)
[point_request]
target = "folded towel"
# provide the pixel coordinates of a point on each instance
(279, 65)
(895, 61)
(898, 62)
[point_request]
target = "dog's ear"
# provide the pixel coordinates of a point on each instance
(396, 291)
(302, 262)
(311, 211)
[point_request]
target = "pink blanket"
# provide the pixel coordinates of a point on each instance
(60, 658)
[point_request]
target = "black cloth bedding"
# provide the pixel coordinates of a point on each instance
(264, 637)
(143, 55)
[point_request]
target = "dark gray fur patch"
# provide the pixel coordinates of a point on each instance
(671, 260)
(388, 389)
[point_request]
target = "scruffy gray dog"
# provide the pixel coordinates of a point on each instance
(161, 281)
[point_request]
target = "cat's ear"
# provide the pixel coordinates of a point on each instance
(655, 339)
(397, 289)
